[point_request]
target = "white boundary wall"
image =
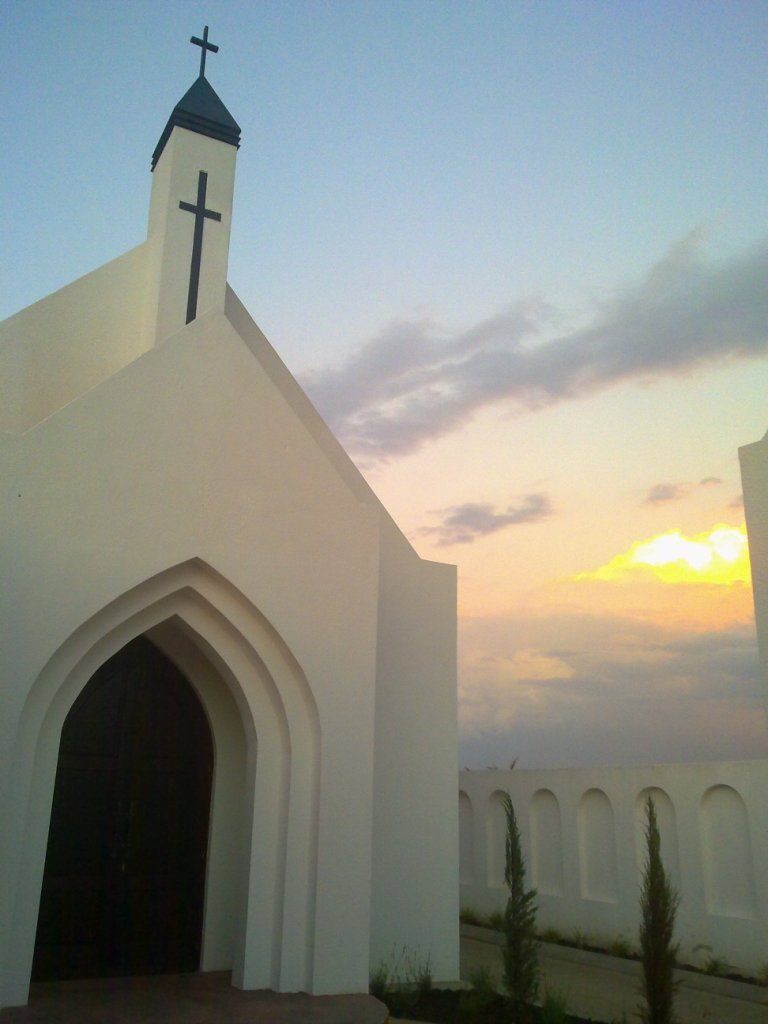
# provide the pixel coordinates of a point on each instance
(583, 843)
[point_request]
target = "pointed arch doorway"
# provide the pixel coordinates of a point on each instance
(124, 876)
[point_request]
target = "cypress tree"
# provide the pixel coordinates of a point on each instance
(520, 951)
(658, 906)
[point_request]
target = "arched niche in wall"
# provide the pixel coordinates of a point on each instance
(666, 820)
(496, 839)
(597, 847)
(466, 839)
(729, 880)
(546, 843)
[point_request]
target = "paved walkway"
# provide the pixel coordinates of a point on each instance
(607, 988)
(184, 999)
(597, 986)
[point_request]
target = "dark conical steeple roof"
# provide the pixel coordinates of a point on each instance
(200, 110)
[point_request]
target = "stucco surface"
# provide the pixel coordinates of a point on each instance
(754, 478)
(584, 849)
(48, 356)
(172, 479)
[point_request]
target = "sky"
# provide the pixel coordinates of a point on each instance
(517, 254)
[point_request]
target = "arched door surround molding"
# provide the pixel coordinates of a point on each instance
(264, 807)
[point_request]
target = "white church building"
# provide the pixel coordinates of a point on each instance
(754, 477)
(227, 681)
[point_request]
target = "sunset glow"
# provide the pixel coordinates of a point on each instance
(545, 363)
(717, 556)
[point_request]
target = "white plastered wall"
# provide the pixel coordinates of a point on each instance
(415, 837)
(584, 850)
(413, 872)
(48, 356)
(754, 476)
(190, 453)
(72, 340)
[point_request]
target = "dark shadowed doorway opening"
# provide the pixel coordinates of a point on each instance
(125, 866)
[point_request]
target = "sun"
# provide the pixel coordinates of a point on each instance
(717, 556)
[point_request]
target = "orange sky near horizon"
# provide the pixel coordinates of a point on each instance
(574, 626)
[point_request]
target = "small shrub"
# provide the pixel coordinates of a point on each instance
(421, 972)
(702, 947)
(554, 1009)
(716, 965)
(400, 1002)
(552, 935)
(579, 939)
(401, 980)
(473, 1006)
(762, 975)
(469, 916)
(378, 983)
(658, 906)
(620, 947)
(520, 952)
(414, 976)
(481, 980)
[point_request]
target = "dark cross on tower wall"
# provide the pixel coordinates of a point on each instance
(200, 213)
(205, 46)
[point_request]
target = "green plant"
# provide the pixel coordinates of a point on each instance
(702, 947)
(578, 939)
(473, 1006)
(554, 1009)
(762, 975)
(410, 977)
(419, 973)
(520, 953)
(481, 981)
(496, 920)
(551, 935)
(658, 906)
(716, 965)
(401, 980)
(469, 916)
(378, 983)
(620, 947)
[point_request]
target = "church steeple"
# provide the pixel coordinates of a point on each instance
(193, 169)
(200, 109)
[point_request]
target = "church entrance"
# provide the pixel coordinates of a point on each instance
(125, 865)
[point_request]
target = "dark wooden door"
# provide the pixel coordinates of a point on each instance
(125, 866)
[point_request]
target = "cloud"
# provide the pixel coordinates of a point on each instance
(530, 664)
(412, 383)
(461, 524)
(660, 493)
(519, 697)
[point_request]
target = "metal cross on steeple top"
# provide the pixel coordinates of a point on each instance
(205, 45)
